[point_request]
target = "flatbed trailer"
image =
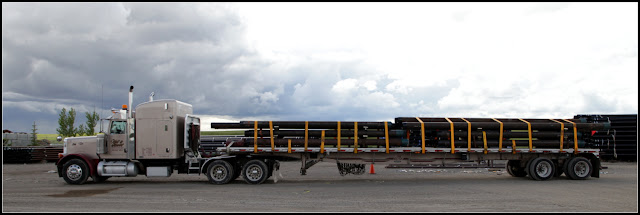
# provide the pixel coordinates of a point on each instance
(163, 136)
(525, 156)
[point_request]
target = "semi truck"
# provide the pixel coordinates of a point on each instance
(160, 137)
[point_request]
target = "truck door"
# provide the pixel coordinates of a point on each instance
(116, 140)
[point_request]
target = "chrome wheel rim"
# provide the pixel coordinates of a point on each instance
(74, 172)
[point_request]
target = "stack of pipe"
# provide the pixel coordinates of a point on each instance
(620, 142)
(407, 132)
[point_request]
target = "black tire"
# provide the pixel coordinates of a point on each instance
(75, 171)
(514, 169)
(255, 172)
(579, 168)
(220, 172)
(526, 168)
(541, 169)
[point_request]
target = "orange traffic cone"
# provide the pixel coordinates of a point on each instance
(372, 171)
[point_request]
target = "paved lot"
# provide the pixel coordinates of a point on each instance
(37, 188)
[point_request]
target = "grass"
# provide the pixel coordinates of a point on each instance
(51, 137)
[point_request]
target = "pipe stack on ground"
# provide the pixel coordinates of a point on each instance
(620, 142)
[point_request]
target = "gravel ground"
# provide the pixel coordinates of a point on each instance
(37, 188)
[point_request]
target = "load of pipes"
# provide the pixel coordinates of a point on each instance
(410, 132)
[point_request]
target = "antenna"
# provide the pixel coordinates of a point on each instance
(102, 105)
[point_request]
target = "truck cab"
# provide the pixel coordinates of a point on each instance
(160, 137)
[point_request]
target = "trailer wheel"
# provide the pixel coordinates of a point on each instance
(541, 169)
(76, 171)
(255, 172)
(220, 172)
(579, 168)
(514, 169)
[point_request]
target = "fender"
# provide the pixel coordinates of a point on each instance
(92, 163)
(204, 165)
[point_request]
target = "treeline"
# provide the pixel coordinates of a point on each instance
(67, 120)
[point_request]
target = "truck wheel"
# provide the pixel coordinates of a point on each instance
(76, 171)
(579, 168)
(541, 169)
(514, 169)
(220, 172)
(255, 172)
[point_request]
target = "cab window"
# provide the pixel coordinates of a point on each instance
(118, 127)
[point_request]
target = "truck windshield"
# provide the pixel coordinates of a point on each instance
(118, 127)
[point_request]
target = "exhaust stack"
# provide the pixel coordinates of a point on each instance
(130, 109)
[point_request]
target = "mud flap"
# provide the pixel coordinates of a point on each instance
(595, 163)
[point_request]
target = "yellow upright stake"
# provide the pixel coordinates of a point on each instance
(468, 134)
(339, 135)
(484, 139)
(422, 128)
(453, 145)
(255, 137)
(289, 146)
(306, 135)
(561, 133)
(500, 141)
(322, 142)
(355, 137)
(575, 136)
(513, 148)
(271, 133)
(530, 136)
(386, 136)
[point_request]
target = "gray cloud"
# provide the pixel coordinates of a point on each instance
(82, 55)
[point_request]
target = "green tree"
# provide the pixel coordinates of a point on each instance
(34, 135)
(82, 131)
(66, 121)
(92, 121)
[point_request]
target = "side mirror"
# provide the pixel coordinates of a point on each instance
(59, 138)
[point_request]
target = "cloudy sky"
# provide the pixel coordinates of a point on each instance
(320, 61)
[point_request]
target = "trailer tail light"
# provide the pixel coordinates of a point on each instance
(60, 155)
